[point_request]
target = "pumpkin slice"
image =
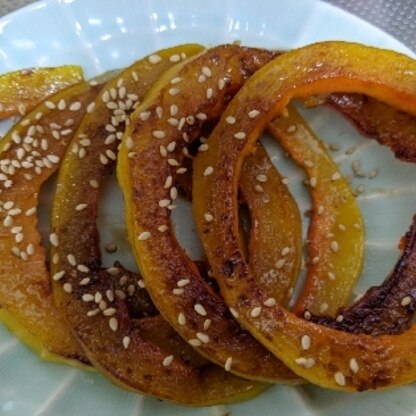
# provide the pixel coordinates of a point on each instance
(21, 91)
(336, 221)
(141, 354)
(275, 237)
(150, 158)
(384, 309)
(377, 120)
(322, 355)
(30, 154)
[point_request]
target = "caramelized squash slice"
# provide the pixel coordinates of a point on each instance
(30, 153)
(322, 355)
(336, 224)
(21, 91)
(275, 234)
(139, 353)
(150, 158)
(377, 120)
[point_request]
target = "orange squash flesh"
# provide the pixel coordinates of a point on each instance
(30, 154)
(275, 237)
(336, 224)
(172, 279)
(21, 91)
(143, 355)
(324, 356)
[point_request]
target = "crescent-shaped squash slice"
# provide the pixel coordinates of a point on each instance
(322, 355)
(387, 308)
(30, 153)
(149, 160)
(377, 120)
(336, 220)
(275, 235)
(143, 354)
(21, 91)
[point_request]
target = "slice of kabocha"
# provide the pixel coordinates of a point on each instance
(30, 153)
(170, 117)
(140, 353)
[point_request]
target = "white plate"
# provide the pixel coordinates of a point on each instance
(104, 34)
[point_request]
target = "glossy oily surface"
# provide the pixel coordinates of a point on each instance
(98, 36)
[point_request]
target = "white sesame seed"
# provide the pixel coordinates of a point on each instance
(93, 312)
(315, 260)
(163, 228)
(339, 318)
(336, 176)
(354, 365)
(15, 211)
(208, 171)
(209, 93)
(144, 116)
(234, 313)
(253, 113)
(94, 183)
(109, 312)
(82, 268)
(208, 217)
(331, 276)
(407, 300)
(91, 107)
(50, 105)
(255, 312)
(270, 302)
(323, 308)
(221, 84)
(81, 207)
(168, 361)
(168, 182)
(62, 105)
(176, 80)
(145, 235)
(126, 341)
(195, 342)
(312, 182)
(280, 263)
(261, 178)
(202, 78)
(174, 91)
(173, 162)
(306, 342)
(334, 246)
(207, 324)
(181, 319)
(258, 188)
(141, 284)
(87, 297)
(154, 59)
(202, 337)
(206, 71)
(71, 260)
(291, 128)
(59, 275)
(76, 106)
(228, 364)
(340, 378)
(230, 120)
(8, 221)
(113, 323)
(200, 309)
(307, 315)
(103, 159)
(240, 135)
(178, 291)
(67, 287)
(173, 110)
(163, 203)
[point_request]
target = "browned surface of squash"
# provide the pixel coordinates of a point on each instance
(30, 154)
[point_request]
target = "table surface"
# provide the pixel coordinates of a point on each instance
(397, 17)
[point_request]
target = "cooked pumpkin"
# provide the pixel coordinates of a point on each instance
(324, 356)
(21, 91)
